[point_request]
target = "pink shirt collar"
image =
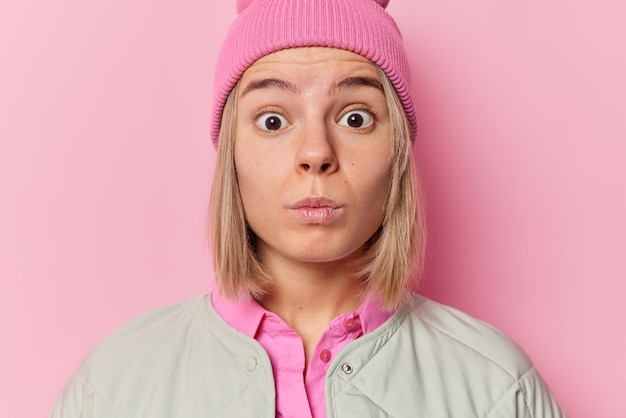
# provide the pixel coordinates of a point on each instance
(296, 396)
(246, 315)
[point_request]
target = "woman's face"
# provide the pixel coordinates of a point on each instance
(312, 154)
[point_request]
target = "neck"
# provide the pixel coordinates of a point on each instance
(309, 295)
(319, 291)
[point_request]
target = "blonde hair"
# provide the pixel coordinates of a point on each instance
(393, 256)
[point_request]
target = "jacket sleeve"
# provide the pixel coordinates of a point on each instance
(528, 397)
(79, 400)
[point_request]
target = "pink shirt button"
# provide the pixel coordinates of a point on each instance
(349, 324)
(325, 355)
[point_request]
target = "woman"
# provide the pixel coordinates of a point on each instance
(317, 232)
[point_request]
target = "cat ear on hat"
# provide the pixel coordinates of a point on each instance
(242, 4)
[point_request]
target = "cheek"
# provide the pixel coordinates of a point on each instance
(379, 192)
(373, 171)
(373, 190)
(258, 172)
(249, 178)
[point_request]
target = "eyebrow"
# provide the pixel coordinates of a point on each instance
(269, 83)
(358, 81)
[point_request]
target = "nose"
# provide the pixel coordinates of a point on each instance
(316, 152)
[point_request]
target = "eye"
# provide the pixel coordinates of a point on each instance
(271, 122)
(356, 119)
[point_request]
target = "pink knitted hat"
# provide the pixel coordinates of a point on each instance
(266, 26)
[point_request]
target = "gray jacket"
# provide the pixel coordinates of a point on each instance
(427, 360)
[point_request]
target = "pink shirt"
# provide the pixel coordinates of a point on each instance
(298, 394)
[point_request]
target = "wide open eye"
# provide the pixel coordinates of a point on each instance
(271, 122)
(356, 119)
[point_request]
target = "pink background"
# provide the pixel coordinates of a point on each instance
(106, 165)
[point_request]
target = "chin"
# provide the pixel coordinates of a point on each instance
(326, 257)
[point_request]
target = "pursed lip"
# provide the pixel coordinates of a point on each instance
(316, 210)
(315, 202)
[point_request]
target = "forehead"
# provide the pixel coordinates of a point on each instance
(311, 63)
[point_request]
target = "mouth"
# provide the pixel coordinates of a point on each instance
(315, 203)
(315, 210)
